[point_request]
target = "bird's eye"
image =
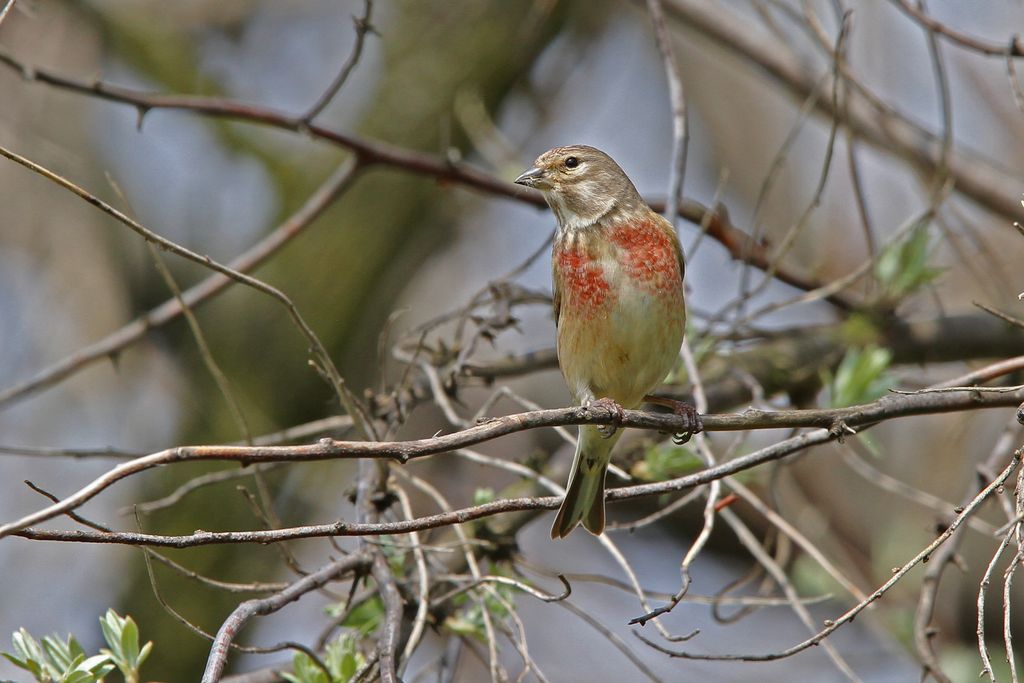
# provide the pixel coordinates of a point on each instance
(571, 162)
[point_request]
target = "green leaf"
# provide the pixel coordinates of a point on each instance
(122, 635)
(902, 268)
(130, 642)
(305, 670)
(58, 660)
(862, 376)
(30, 665)
(469, 620)
(461, 626)
(144, 653)
(483, 495)
(29, 655)
(343, 658)
(664, 461)
(100, 665)
(364, 618)
(110, 624)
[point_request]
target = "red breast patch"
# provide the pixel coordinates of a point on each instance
(582, 277)
(648, 253)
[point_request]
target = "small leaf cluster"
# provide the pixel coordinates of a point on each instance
(666, 461)
(468, 620)
(342, 660)
(62, 660)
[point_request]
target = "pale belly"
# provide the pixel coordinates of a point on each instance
(623, 348)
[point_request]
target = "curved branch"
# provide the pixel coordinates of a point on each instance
(253, 608)
(837, 422)
(336, 184)
(376, 152)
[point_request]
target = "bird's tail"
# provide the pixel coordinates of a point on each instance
(584, 496)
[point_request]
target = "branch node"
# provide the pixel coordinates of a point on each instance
(839, 429)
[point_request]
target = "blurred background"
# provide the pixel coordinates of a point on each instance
(494, 84)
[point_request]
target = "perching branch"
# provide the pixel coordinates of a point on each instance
(831, 424)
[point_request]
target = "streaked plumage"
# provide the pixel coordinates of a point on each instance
(618, 294)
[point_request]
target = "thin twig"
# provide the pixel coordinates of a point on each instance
(252, 608)
(850, 614)
(677, 99)
(8, 6)
(1011, 49)
(314, 206)
(362, 27)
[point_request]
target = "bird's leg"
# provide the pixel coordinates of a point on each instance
(682, 409)
(618, 415)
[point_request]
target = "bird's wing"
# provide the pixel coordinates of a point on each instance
(556, 296)
(668, 228)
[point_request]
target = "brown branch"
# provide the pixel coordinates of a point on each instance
(325, 363)
(836, 422)
(951, 331)
(937, 564)
(880, 126)
(115, 342)
(362, 26)
(849, 615)
(375, 152)
(388, 638)
(252, 608)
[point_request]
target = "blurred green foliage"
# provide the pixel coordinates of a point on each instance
(63, 660)
(902, 268)
(468, 619)
(663, 461)
(862, 376)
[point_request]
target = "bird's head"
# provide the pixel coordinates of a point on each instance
(581, 184)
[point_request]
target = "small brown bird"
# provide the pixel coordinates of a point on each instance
(618, 282)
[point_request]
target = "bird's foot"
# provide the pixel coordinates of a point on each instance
(692, 422)
(617, 413)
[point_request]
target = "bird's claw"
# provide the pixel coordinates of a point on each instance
(682, 409)
(693, 424)
(617, 414)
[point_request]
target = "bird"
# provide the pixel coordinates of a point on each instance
(617, 270)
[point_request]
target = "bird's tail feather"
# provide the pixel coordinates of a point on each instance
(584, 496)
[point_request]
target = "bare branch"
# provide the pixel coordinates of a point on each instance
(8, 6)
(880, 126)
(1011, 49)
(833, 420)
(362, 26)
(850, 614)
(677, 98)
(253, 608)
(335, 185)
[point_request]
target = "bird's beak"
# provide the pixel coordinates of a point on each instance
(530, 178)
